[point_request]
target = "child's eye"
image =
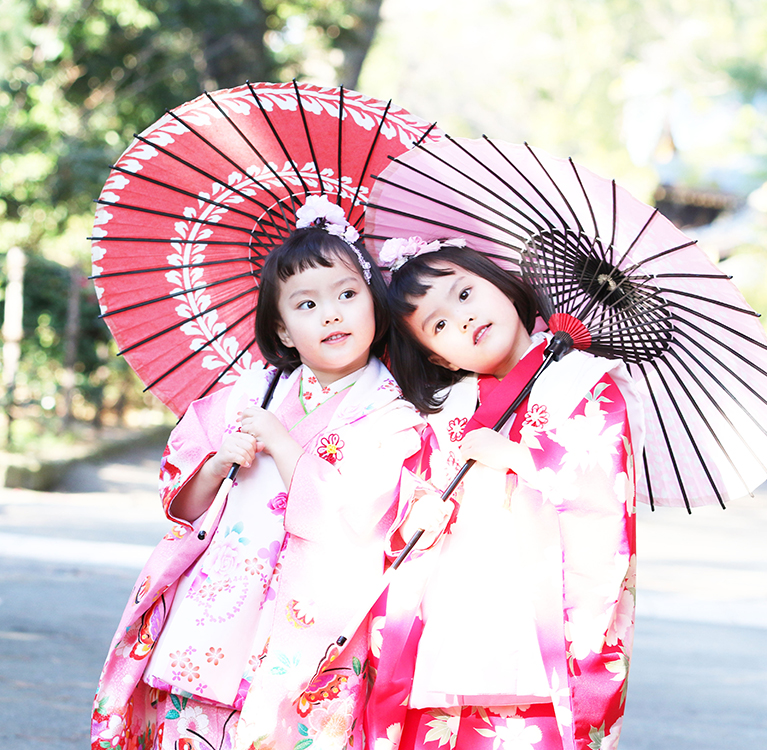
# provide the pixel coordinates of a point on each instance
(439, 326)
(306, 305)
(464, 295)
(348, 294)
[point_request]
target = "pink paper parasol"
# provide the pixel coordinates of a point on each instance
(622, 282)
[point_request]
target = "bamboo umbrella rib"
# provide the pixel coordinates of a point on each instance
(706, 423)
(614, 196)
(553, 183)
(164, 269)
(534, 187)
(199, 170)
(444, 225)
(231, 161)
(723, 277)
(486, 188)
(638, 237)
(190, 194)
(172, 241)
(309, 139)
(339, 145)
(176, 217)
(713, 301)
(186, 359)
(173, 295)
(716, 340)
(281, 144)
(662, 424)
(494, 193)
(648, 478)
(369, 156)
(184, 321)
(724, 388)
(456, 209)
(650, 258)
(250, 145)
(587, 199)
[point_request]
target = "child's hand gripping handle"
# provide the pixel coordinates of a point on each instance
(226, 485)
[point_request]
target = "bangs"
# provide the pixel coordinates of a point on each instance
(317, 249)
(411, 285)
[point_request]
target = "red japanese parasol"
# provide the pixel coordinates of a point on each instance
(192, 208)
(615, 278)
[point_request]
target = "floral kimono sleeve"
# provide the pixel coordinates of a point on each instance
(585, 470)
(193, 441)
(416, 482)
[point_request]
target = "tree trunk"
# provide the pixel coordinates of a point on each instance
(234, 55)
(356, 44)
(71, 337)
(13, 332)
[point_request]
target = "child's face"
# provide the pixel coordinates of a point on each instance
(468, 323)
(327, 314)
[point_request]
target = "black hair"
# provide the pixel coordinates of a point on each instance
(309, 248)
(420, 379)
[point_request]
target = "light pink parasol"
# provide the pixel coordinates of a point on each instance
(616, 279)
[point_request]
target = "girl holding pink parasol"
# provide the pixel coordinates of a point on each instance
(523, 633)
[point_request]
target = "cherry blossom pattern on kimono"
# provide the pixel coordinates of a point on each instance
(576, 526)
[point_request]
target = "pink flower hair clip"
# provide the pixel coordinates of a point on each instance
(398, 250)
(318, 211)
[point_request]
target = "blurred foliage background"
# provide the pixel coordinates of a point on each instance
(77, 79)
(667, 96)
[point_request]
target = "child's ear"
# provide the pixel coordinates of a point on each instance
(435, 359)
(284, 336)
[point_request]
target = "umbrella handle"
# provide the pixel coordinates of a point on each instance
(218, 501)
(385, 579)
(226, 485)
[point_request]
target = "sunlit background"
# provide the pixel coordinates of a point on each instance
(669, 97)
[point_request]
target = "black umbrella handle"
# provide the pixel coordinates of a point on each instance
(227, 483)
(560, 344)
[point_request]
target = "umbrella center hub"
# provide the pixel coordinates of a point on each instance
(625, 315)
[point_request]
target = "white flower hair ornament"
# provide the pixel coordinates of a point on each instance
(398, 250)
(318, 211)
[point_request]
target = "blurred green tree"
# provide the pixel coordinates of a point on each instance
(76, 81)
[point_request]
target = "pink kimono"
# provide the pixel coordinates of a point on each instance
(221, 637)
(524, 630)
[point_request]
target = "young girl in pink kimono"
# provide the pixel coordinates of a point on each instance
(524, 631)
(222, 636)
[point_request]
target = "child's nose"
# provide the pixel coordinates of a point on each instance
(332, 316)
(468, 322)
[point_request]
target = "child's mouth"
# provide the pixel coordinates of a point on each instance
(480, 332)
(334, 338)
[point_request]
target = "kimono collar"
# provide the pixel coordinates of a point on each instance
(370, 388)
(374, 389)
(496, 401)
(486, 384)
(312, 394)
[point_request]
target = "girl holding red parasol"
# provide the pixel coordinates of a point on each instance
(217, 642)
